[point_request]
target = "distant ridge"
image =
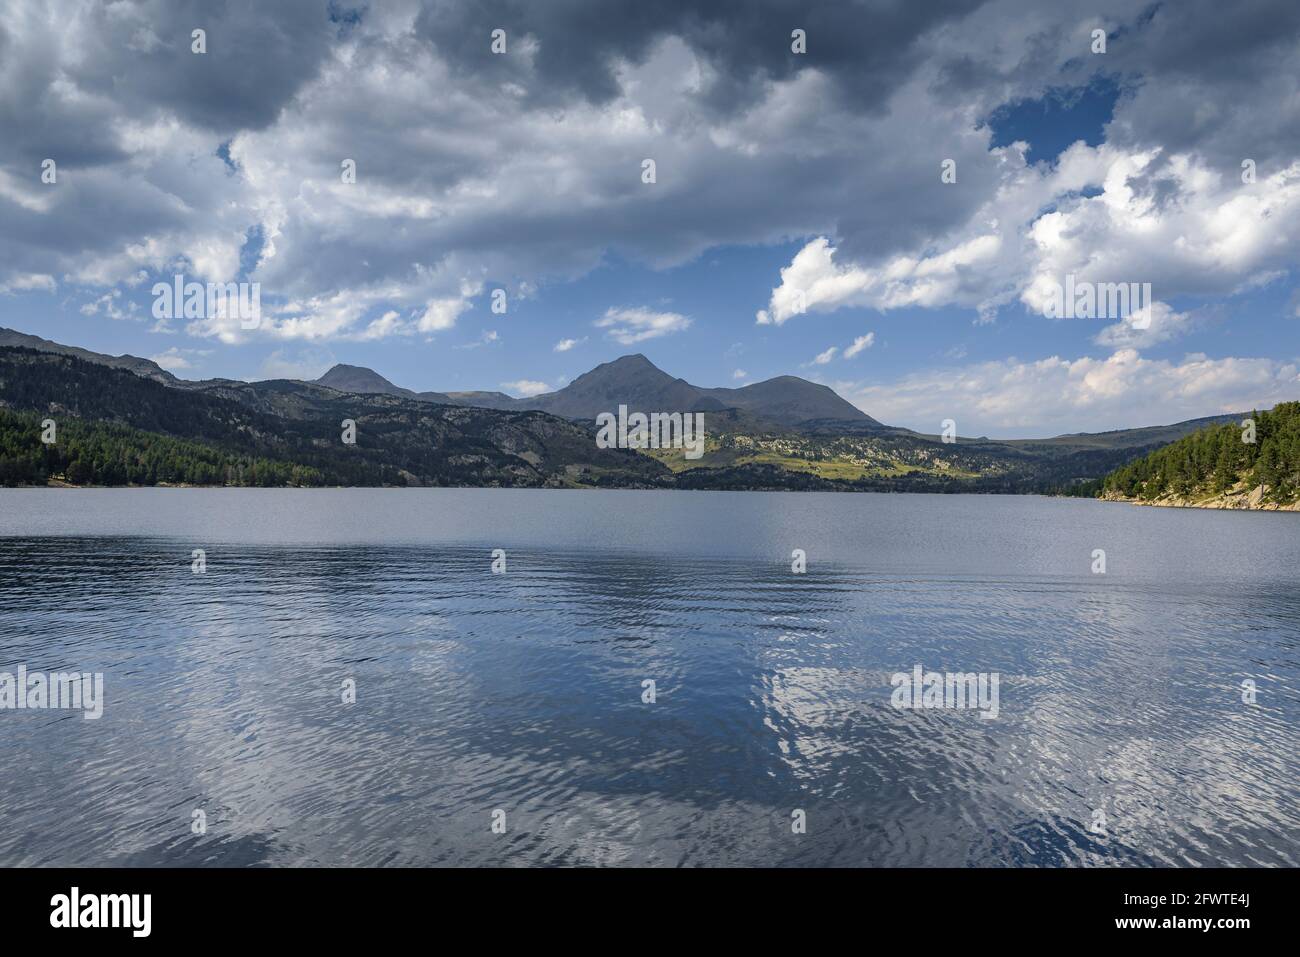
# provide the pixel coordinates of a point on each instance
(141, 367)
(788, 402)
(639, 384)
(785, 433)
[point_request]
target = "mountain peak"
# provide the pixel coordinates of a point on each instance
(635, 371)
(346, 378)
(342, 368)
(631, 362)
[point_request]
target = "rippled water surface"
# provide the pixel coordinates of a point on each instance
(1119, 693)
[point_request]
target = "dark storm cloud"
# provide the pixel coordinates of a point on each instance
(258, 55)
(36, 121)
(113, 93)
(1205, 77)
(134, 61)
(1228, 84)
(869, 47)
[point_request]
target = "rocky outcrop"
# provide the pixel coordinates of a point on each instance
(1241, 496)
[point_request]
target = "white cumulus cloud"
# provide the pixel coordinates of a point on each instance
(1011, 397)
(630, 326)
(526, 387)
(859, 344)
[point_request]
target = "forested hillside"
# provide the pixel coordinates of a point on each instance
(99, 453)
(1220, 462)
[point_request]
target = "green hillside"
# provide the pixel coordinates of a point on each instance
(101, 453)
(1216, 465)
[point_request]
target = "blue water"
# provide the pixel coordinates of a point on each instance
(1121, 738)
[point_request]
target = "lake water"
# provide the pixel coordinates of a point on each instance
(1121, 738)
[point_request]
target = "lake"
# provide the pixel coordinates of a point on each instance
(505, 718)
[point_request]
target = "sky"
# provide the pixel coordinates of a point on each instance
(799, 221)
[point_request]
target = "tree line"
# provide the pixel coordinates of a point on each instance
(102, 453)
(1220, 458)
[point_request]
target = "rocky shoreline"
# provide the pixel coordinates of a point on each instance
(1239, 498)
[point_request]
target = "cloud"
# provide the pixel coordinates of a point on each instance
(1148, 327)
(306, 365)
(630, 326)
(29, 282)
(176, 359)
(488, 337)
(468, 165)
(525, 167)
(1169, 221)
(390, 323)
(740, 374)
(564, 345)
(826, 357)
(93, 306)
(814, 281)
(859, 344)
(1011, 397)
(746, 44)
(441, 313)
(108, 303)
(526, 387)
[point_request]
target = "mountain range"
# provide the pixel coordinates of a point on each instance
(784, 432)
(631, 380)
(636, 382)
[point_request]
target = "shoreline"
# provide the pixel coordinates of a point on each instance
(543, 488)
(61, 485)
(1227, 502)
